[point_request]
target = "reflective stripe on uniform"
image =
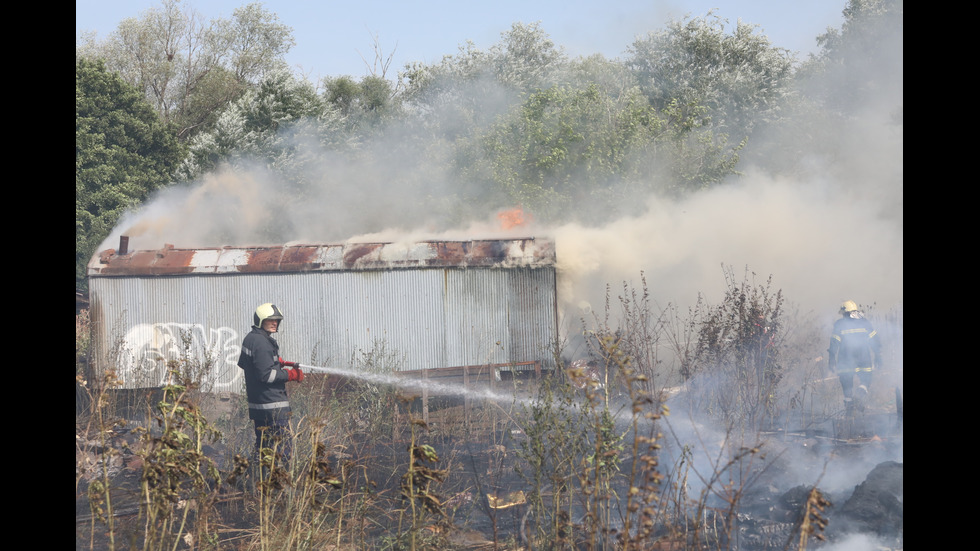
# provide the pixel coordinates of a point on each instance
(273, 405)
(855, 369)
(272, 376)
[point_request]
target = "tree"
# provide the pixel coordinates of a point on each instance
(739, 78)
(469, 89)
(848, 107)
(258, 42)
(526, 58)
(567, 147)
(366, 104)
(527, 125)
(588, 152)
(123, 151)
(862, 62)
(187, 68)
(274, 124)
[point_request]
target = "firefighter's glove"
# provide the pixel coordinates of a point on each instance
(295, 374)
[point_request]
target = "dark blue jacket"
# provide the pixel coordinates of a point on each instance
(852, 344)
(265, 380)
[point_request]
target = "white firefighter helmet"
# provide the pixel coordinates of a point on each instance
(848, 306)
(267, 311)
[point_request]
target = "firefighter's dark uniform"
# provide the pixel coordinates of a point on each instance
(852, 344)
(265, 385)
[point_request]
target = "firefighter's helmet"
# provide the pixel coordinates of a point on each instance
(267, 311)
(848, 307)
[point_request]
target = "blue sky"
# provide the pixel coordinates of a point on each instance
(334, 37)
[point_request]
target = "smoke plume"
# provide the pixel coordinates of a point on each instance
(833, 235)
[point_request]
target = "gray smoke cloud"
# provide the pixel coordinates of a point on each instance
(824, 238)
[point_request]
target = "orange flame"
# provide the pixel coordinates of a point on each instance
(512, 218)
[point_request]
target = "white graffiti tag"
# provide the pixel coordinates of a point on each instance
(149, 353)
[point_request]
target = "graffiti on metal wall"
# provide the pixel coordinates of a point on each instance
(149, 353)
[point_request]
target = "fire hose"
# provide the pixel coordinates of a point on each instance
(295, 369)
(295, 365)
(313, 368)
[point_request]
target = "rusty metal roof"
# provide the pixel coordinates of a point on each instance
(290, 258)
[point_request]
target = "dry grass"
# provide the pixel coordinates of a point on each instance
(583, 465)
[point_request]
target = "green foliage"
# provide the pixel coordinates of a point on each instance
(123, 152)
(257, 40)
(343, 92)
(599, 146)
(591, 451)
(862, 62)
(736, 364)
(739, 77)
(366, 105)
(565, 146)
(458, 98)
(176, 471)
(526, 58)
(188, 68)
(275, 124)
(529, 126)
(556, 440)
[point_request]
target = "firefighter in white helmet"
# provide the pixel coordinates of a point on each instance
(265, 381)
(855, 350)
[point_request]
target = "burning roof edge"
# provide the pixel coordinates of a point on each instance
(528, 252)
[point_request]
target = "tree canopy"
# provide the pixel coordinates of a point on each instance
(863, 61)
(123, 152)
(189, 68)
(739, 79)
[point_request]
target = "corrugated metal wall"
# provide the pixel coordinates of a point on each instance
(408, 319)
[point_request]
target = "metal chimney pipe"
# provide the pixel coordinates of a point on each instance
(123, 244)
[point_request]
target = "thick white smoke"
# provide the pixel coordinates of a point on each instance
(819, 248)
(822, 241)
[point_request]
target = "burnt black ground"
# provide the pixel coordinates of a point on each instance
(859, 476)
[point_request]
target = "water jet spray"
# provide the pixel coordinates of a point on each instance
(406, 382)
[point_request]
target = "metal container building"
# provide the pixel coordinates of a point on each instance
(425, 305)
